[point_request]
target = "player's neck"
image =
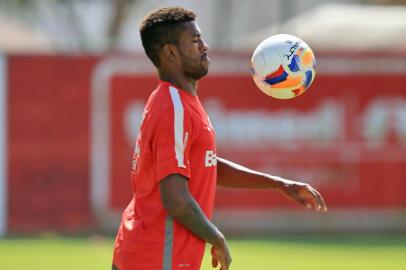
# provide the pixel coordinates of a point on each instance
(187, 84)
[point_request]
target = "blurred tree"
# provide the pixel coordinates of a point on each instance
(119, 15)
(221, 31)
(65, 18)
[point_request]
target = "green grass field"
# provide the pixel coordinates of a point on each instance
(283, 252)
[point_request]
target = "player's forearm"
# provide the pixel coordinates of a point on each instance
(181, 205)
(187, 212)
(230, 174)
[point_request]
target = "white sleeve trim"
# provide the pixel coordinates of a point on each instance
(178, 125)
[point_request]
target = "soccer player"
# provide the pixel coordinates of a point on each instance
(175, 169)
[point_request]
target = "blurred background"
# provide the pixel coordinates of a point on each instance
(73, 84)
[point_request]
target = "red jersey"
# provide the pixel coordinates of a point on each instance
(175, 137)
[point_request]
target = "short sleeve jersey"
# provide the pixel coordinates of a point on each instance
(175, 137)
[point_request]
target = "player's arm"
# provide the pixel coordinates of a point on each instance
(181, 205)
(230, 174)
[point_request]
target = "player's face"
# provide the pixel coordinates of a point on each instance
(193, 51)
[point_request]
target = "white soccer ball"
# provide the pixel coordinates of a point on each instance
(283, 66)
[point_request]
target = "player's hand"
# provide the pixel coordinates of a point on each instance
(221, 255)
(303, 194)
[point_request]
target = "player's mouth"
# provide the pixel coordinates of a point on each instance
(205, 57)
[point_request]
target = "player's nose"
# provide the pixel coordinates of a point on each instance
(205, 46)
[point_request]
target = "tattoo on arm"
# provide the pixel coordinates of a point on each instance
(182, 206)
(192, 217)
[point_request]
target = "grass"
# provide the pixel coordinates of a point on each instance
(331, 253)
(294, 252)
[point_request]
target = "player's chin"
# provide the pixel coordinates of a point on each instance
(206, 70)
(203, 71)
(199, 72)
(205, 65)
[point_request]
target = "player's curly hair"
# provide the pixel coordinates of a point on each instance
(161, 27)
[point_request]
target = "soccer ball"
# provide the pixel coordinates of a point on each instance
(283, 66)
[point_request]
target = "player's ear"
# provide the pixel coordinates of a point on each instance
(170, 53)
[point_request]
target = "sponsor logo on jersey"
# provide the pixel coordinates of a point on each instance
(211, 159)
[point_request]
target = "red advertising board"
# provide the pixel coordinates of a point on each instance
(346, 136)
(72, 123)
(48, 143)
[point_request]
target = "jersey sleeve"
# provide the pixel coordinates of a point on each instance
(171, 144)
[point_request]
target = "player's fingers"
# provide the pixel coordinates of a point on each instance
(306, 197)
(225, 261)
(214, 258)
(214, 262)
(224, 267)
(320, 200)
(312, 199)
(303, 202)
(224, 264)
